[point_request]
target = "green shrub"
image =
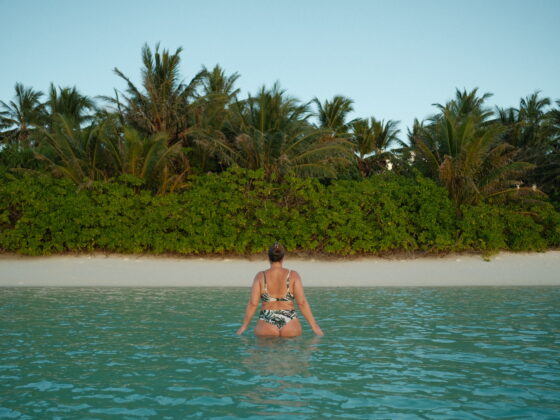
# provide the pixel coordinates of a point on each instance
(515, 227)
(533, 227)
(239, 211)
(481, 228)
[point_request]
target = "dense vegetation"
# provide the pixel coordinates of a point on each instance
(240, 211)
(194, 169)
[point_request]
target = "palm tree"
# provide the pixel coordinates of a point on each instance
(160, 166)
(271, 132)
(216, 82)
(362, 138)
(554, 119)
(372, 140)
(527, 126)
(464, 151)
(70, 103)
(72, 151)
(547, 175)
(164, 104)
(104, 150)
(211, 110)
(536, 128)
(467, 105)
(509, 119)
(332, 114)
(20, 117)
(218, 91)
(531, 129)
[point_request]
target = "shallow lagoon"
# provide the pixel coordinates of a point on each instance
(390, 353)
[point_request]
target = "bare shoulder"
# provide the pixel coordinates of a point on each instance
(296, 284)
(258, 277)
(294, 275)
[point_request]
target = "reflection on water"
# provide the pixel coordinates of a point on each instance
(387, 353)
(278, 360)
(278, 356)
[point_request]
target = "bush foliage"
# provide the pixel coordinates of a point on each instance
(241, 212)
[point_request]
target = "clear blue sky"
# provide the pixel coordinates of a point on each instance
(394, 58)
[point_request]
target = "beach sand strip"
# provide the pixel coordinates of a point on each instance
(98, 270)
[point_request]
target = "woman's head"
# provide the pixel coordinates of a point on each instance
(276, 252)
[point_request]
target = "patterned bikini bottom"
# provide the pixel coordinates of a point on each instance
(277, 317)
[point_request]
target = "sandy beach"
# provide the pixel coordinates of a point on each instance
(98, 270)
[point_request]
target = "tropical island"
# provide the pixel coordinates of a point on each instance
(180, 168)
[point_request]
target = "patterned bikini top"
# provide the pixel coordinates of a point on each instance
(265, 297)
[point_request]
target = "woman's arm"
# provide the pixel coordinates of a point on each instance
(304, 307)
(252, 305)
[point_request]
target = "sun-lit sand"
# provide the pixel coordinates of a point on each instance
(505, 269)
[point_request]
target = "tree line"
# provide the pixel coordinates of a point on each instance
(240, 212)
(166, 130)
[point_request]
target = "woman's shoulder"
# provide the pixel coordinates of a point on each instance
(294, 275)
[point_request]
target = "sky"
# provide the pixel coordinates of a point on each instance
(394, 58)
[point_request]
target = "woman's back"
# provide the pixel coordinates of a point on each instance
(277, 289)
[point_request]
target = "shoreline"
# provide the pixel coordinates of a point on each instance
(115, 270)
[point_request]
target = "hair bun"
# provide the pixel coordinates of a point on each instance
(276, 252)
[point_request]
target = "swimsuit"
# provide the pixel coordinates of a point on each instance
(277, 317)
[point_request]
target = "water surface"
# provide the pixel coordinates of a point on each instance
(426, 353)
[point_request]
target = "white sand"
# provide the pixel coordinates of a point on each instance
(506, 269)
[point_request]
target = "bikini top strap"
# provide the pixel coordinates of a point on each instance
(288, 281)
(265, 288)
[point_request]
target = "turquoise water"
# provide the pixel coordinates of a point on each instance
(426, 353)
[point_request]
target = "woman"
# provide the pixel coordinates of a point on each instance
(277, 316)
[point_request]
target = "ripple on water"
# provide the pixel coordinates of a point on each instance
(46, 386)
(388, 353)
(169, 400)
(210, 401)
(120, 411)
